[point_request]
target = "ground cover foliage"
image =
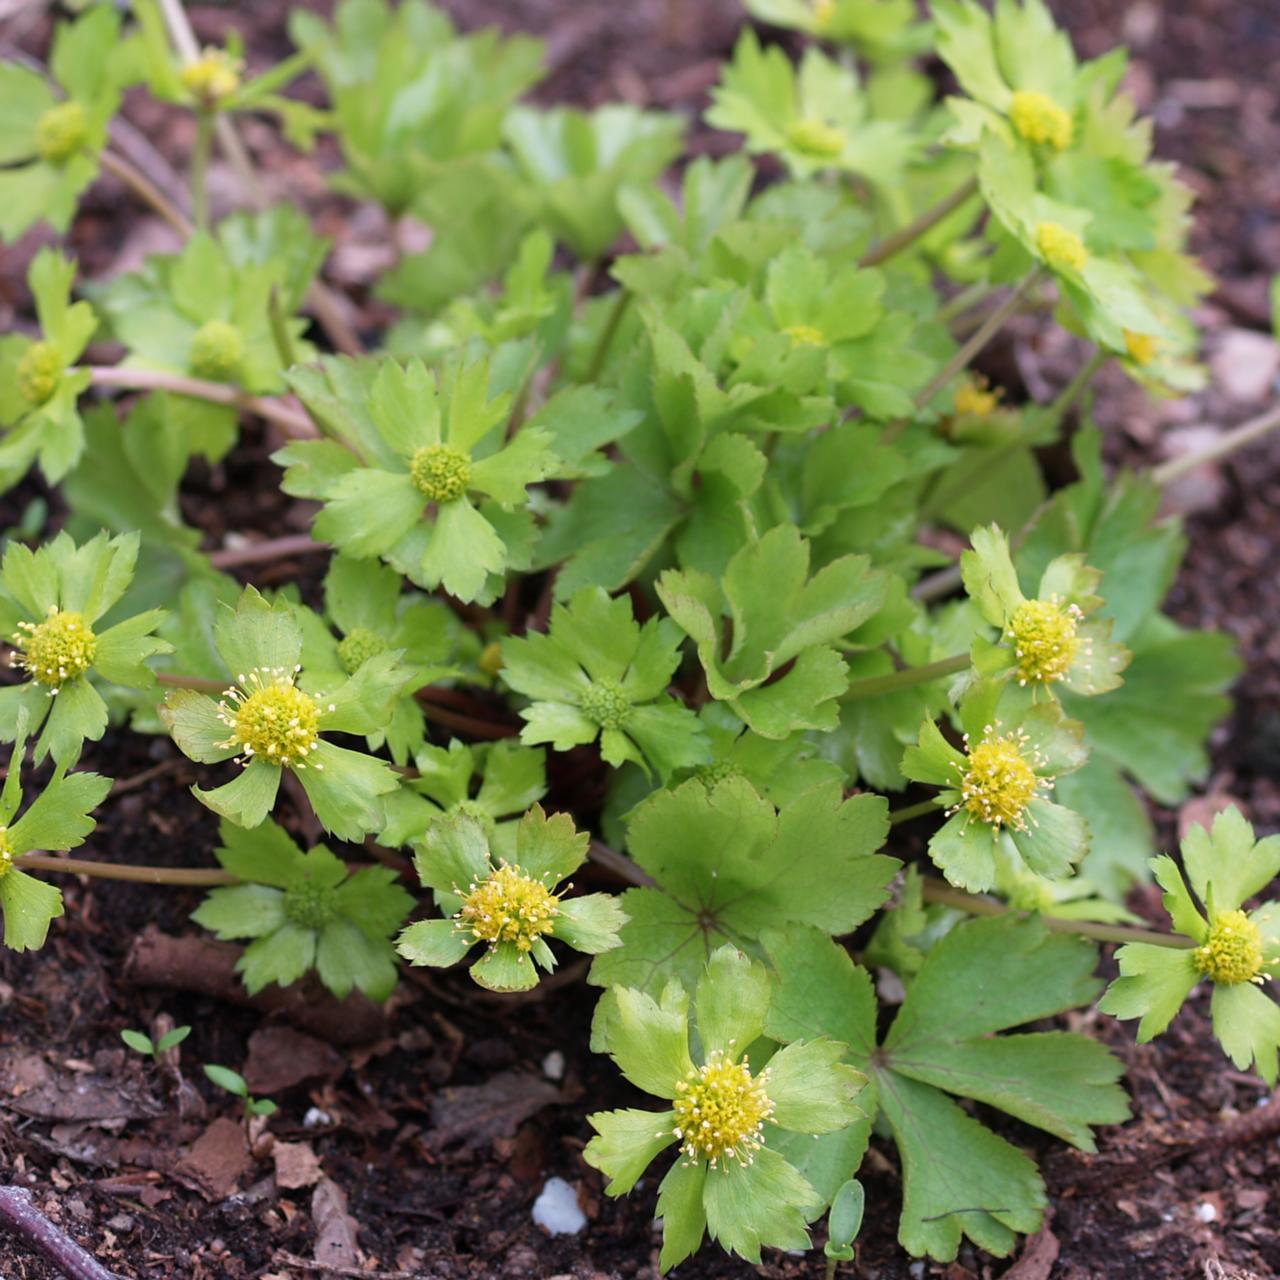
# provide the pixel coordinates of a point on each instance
(656, 454)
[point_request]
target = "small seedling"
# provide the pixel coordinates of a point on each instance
(233, 1082)
(142, 1043)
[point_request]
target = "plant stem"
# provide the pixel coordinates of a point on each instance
(200, 168)
(142, 186)
(904, 679)
(937, 891)
(925, 223)
(986, 331)
(202, 683)
(966, 298)
(20, 1217)
(280, 329)
(1242, 436)
(294, 424)
(910, 811)
(293, 544)
(1066, 398)
(607, 334)
(199, 877)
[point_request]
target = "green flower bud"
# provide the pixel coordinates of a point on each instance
(440, 472)
(39, 372)
(60, 132)
(217, 351)
(358, 646)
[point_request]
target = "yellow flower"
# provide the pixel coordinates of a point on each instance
(1000, 780)
(1061, 249)
(56, 650)
(440, 472)
(1141, 347)
(975, 399)
(508, 906)
(1039, 119)
(721, 1109)
(271, 718)
(212, 77)
(1233, 952)
(1044, 639)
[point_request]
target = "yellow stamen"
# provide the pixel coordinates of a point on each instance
(1000, 779)
(1233, 952)
(1039, 119)
(56, 650)
(508, 906)
(271, 719)
(1045, 640)
(721, 1109)
(1062, 249)
(440, 472)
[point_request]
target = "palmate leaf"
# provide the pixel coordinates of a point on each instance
(959, 1178)
(729, 866)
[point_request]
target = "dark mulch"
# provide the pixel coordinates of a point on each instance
(439, 1182)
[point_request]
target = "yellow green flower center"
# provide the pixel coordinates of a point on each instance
(310, 906)
(490, 660)
(6, 852)
(1140, 347)
(1039, 119)
(606, 704)
(213, 76)
(1000, 779)
(1044, 639)
(217, 351)
(823, 12)
(806, 335)
(56, 650)
(717, 771)
(39, 372)
(721, 1109)
(813, 136)
(1061, 248)
(509, 906)
(358, 646)
(1233, 952)
(271, 718)
(975, 399)
(60, 132)
(440, 472)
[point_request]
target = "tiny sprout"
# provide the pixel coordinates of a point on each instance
(1039, 119)
(142, 1043)
(1061, 248)
(440, 472)
(234, 1083)
(60, 132)
(813, 136)
(39, 372)
(217, 351)
(60, 648)
(1233, 951)
(213, 77)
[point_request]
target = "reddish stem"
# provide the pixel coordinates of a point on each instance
(21, 1218)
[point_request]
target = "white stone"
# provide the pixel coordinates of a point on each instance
(556, 1209)
(1206, 1212)
(1245, 365)
(553, 1065)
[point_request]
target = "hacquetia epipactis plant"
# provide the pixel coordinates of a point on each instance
(652, 465)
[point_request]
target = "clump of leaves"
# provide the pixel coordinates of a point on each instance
(305, 911)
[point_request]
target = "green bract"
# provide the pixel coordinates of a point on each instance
(53, 135)
(512, 907)
(729, 1178)
(58, 818)
(269, 723)
(39, 388)
(51, 601)
(305, 911)
(1237, 951)
(430, 445)
(598, 674)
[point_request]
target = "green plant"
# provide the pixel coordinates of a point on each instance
(235, 1084)
(634, 510)
(142, 1043)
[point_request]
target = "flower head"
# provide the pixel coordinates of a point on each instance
(217, 351)
(1000, 778)
(61, 132)
(974, 398)
(1061, 248)
(1141, 348)
(358, 646)
(1039, 119)
(511, 907)
(723, 1109)
(813, 136)
(212, 77)
(440, 472)
(1235, 949)
(39, 370)
(271, 719)
(269, 716)
(60, 648)
(1045, 639)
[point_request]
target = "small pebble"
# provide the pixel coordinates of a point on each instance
(121, 1224)
(315, 1118)
(557, 1210)
(1206, 1212)
(553, 1065)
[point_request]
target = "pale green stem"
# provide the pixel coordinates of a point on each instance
(200, 168)
(1241, 437)
(906, 678)
(922, 225)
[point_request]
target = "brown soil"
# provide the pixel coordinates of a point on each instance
(438, 1149)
